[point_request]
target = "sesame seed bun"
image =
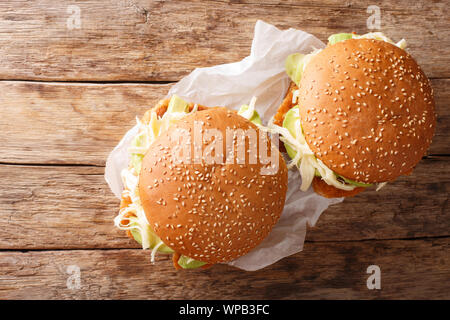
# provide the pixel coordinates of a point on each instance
(319, 186)
(211, 212)
(367, 110)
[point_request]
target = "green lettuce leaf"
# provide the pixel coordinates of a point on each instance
(338, 37)
(294, 66)
(251, 115)
(188, 263)
(176, 104)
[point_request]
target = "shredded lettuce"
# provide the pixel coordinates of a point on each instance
(338, 37)
(301, 155)
(371, 35)
(249, 112)
(296, 63)
(356, 183)
(294, 66)
(136, 158)
(176, 110)
(134, 214)
(189, 263)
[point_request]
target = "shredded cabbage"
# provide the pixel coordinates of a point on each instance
(295, 96)
(380, 36)
(371, 35)
(189, 263)
(305, 160)
(380, 185)
(296, 63)
(148, 133)
(249, 112)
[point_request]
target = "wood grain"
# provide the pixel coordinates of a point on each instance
(411, 269)
(141, 40)
(63, 123)
(56, 209)
(47, 207)
(411, 207)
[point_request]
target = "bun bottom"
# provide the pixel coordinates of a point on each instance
(320, 186)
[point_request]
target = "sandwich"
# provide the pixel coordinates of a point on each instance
(198, 187)
(357, 114)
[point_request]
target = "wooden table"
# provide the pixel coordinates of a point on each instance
(68, 94)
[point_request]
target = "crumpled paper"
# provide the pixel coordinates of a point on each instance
(262, 75)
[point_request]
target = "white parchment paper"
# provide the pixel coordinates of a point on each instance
(261, 74)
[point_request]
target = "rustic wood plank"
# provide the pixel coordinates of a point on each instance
(417, 269)
(48, 207)
(58, 207)
(164, 40)
(62, 123)
(69, 123)
(412, 206)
